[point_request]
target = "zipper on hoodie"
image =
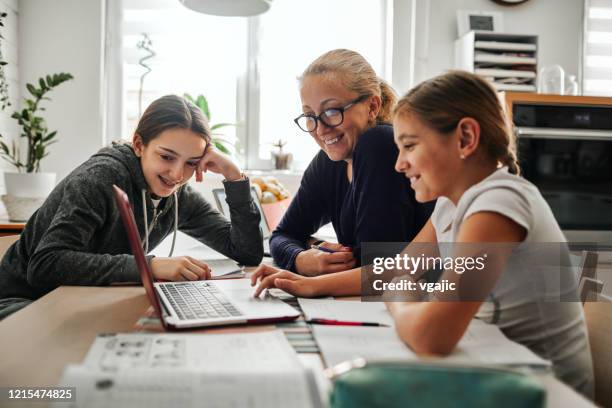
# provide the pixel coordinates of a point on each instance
(156, 216)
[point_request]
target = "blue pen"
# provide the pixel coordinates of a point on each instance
(322, 248)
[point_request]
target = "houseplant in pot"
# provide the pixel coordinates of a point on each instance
(220, 143)
(27, 188)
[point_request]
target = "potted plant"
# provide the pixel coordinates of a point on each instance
(27, 188)
(221, 144)
(281, 158)
(4, 95)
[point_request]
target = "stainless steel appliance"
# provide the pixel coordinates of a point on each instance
(566, 150)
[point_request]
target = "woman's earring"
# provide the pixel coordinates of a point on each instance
(462, 156)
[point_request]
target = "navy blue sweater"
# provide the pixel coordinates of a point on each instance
(377, 206)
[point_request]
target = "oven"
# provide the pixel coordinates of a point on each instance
(565, 149)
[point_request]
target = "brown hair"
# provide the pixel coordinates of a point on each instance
(169, 112)
(443, 101)
(357, 75)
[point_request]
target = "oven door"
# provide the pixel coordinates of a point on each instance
(573, 170)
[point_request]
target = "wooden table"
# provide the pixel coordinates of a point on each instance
(37, 342)
(10, 228)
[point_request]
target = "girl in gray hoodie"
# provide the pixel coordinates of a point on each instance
(77, 237)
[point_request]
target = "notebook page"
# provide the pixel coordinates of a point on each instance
(482, 343)
(346, 310)
(225, 370)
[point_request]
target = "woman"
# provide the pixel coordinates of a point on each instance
(455, 146)
(351, 181)
(77, 237)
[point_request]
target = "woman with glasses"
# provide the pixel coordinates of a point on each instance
(351, 181)
(455, 146)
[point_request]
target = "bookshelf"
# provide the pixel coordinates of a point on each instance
(509, 61)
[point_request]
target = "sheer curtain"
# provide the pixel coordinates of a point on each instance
(597, 61)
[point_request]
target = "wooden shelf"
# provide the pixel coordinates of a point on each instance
(513, 97)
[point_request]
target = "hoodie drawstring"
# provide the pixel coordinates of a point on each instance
(149, 228)
(146, 222)
(175, 224)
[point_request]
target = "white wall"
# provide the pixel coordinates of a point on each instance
(66, 36)
(9, 129)
(558, 23)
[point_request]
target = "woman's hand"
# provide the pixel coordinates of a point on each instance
(181, 268)
(270, 277)
(314, 262)
(218, 163)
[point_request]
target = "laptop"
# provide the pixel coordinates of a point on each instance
(219, 194)
(200, 303)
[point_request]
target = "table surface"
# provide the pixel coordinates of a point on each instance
(37, 342)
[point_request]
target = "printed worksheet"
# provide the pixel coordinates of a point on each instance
(191, 370)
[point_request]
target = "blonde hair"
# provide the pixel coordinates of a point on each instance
(356, 75)
(443, 101)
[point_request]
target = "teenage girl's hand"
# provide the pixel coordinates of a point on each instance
(270, 277)
(218, 163)
(314, 262)
(180, 268)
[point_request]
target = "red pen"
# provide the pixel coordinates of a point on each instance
(331, 322)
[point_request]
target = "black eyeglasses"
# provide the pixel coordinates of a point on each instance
(330, 117)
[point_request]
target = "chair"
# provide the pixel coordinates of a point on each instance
(6, 242)
(597, 315)
(588, 266)
(585, 275)
(589, 289)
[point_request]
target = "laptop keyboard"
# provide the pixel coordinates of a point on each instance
(198, 300)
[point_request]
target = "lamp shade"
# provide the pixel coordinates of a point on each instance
(228, 8)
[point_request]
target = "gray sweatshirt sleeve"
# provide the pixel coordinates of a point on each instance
(240, 239)
(64, 254)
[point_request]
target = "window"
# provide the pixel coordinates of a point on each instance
(597, 69)
(291, 35)
(246, 67)
(194, 53)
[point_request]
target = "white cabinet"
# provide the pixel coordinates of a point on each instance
(509, 61)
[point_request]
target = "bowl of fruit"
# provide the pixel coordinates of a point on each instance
(274, 198)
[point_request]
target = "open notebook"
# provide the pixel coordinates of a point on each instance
(174, 370)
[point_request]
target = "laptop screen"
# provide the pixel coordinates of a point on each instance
(127, 215)
(219, 194)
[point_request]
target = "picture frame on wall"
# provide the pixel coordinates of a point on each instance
(471, 20)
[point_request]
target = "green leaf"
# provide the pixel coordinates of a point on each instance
(221, 147)
(221, 125)
(189, 98)
(50, 136)
(42, 83)
(32, 89)
(203, 104)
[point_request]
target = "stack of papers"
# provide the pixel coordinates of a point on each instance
(346, 310)
(224, 268)
(482, 343)
(221, 266)
(218, 370)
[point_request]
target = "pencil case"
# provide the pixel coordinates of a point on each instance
(431, 384)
